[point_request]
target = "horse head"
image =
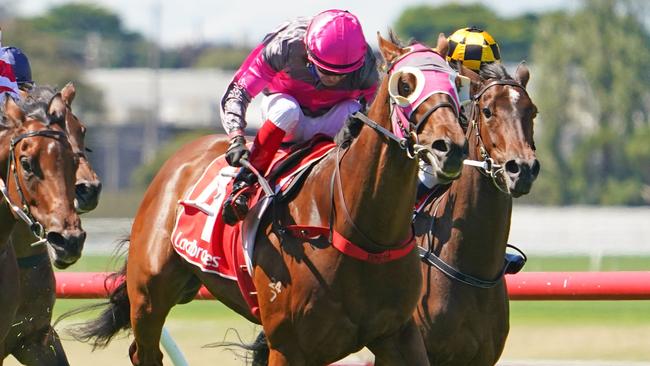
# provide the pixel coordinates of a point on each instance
(88, 186)
(425, 100)
(41, 176)
(502, 115)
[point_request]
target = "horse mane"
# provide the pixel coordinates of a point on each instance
(494, 71)
(37, 102)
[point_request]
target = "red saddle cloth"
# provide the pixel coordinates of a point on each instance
(202, 238)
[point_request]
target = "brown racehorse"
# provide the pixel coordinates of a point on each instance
(32, 340)
(40, 179)
(323, 304)
(463, 313)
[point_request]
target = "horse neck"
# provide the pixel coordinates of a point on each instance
(379, 183)
(482, 214)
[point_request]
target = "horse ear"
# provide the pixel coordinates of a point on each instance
(13, 115)
(389, 50)
(56, 110)
(522, 74)
(68, 93)
(443, 45)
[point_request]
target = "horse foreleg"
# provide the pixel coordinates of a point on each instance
(42, 351)
(406, 347)
(152, 295)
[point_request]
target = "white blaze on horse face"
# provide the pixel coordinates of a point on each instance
(50, 147)
(514, 95)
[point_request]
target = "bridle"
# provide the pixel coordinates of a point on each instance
(488, 166)
(23, 211)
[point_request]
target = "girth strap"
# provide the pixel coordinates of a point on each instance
(348, 248)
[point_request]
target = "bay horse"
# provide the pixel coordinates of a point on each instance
(463, 311)
(317, 304)
(32, 340)
(38, 188)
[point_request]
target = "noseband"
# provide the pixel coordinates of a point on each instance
(488, 166)
(24, 212)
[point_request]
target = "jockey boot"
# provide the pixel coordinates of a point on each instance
(266, 144)
(235, 207)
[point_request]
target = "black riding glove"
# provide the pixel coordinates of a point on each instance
(349, 132)
(237, 151)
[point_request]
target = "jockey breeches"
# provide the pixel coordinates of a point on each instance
(285, 112)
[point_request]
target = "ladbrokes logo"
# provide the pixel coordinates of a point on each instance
(192, 250)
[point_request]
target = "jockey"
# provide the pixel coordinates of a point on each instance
(473, 47)
(19, 71)
(314, 73)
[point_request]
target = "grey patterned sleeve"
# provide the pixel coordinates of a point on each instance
(233, 109)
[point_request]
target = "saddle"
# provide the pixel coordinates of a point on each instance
(202, 238)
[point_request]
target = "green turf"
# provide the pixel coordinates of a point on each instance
(584, 263)
(580, 312)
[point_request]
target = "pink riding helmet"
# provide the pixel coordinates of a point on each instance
(335, 41)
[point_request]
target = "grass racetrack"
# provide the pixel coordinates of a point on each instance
(540, 330)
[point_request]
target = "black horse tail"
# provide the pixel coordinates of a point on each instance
(259, 349)
(113, 319)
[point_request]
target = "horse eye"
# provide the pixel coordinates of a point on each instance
(487, 112)
(404, 88)
(26, 165)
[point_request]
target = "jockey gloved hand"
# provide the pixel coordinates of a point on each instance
(349, 132)
(237, 151)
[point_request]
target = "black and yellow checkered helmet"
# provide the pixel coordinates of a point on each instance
(474, 47)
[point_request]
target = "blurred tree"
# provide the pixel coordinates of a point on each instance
(93, 36)
(594, 100)
(228, 58)
(425, 22)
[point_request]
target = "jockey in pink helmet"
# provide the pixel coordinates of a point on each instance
(313, 73)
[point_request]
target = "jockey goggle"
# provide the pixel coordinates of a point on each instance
(314, 69)
(29, 85)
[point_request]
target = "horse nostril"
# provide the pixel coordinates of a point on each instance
(440, 145)
(512, 167)
(535, 168)
(55, 239)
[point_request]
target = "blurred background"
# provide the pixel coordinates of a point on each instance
(150, 75)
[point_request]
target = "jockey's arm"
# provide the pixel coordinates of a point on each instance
(251, 78)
